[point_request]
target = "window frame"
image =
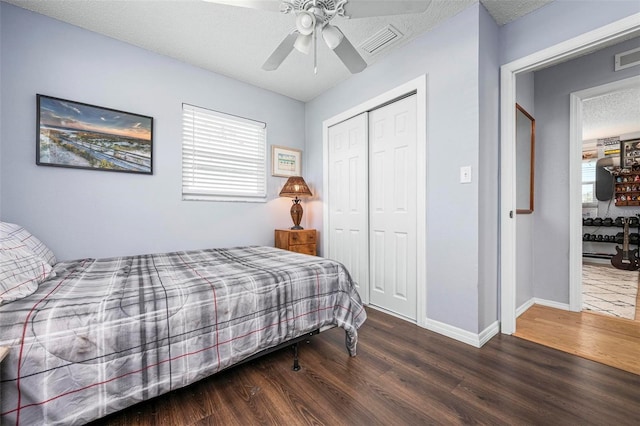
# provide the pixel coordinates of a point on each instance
(594, 203)
(214, 134)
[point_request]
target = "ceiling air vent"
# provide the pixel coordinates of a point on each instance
(627, 59)
(383, 38)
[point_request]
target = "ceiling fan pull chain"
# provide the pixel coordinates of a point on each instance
(315, 43)
(315, 51)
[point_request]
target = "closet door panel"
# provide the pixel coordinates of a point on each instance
(348, 199)
(393, 215)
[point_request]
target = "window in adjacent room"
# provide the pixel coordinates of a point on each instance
(223, 156)
(589, 183)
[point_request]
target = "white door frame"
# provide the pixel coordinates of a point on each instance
(575, 179)
(543, 58)
(418, 86)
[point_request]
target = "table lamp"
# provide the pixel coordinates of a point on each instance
(294, 188)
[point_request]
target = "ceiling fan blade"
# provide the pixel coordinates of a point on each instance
(367, 8)
(270, 5)
(349, 56)
(281, 52)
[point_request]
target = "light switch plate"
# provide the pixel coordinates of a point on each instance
(465, 174)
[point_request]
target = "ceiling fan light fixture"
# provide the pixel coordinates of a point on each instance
(305, 22)
(303, 43)
(332, 36)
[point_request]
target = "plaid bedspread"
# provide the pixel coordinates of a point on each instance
(105, 334)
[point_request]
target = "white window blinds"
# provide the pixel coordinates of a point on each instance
(223, 156)
(588, 170)
(588, 182)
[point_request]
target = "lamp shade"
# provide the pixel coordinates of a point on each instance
(295, 187)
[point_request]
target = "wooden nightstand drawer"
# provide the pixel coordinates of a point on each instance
(299, 240)
(304, 249)
(307, 236)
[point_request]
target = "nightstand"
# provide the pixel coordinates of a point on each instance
(298, 240)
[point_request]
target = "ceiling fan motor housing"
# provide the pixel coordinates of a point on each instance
(306, 4)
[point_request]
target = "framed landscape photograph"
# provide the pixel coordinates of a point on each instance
(82, 136)
(285, 161)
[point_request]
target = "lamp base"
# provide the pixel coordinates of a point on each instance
(295, 228)
(296, 213)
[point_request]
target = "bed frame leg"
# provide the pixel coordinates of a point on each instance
(296, 364)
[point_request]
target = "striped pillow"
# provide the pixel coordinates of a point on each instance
(20, 271)
(17, 232)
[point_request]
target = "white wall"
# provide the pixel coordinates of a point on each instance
(82, 213)
(551, 221)
(449, 56)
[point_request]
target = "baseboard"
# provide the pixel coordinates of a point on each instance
(551, 304)
(595, 260)
(393, 314)
(486, 334)
(526, 305)
(464, 336)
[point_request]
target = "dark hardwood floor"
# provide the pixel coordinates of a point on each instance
(403, 375)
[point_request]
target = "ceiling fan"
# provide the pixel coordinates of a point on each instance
(313, 20)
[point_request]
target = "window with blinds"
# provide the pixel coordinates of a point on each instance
(589, 182)
(223, 156)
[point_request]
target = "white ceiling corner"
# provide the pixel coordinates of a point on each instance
(505, 11)
(612, 114)
(235, 41)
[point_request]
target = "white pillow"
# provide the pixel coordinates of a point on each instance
(21, 271)
(17, 232)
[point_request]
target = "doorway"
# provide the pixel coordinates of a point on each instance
(563, 51)
(577, 122)
(595, 336)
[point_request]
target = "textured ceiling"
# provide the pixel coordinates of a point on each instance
(613, 114)
(235, 41)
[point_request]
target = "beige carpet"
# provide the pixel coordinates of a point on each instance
(609, 291)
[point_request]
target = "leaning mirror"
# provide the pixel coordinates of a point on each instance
(525, 150)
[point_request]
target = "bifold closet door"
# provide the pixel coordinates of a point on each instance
(348, 199)
(392, 207)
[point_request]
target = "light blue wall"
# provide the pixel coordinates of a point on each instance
(559, 21)
(551, 221)
(489, 224)
(82, 213)
(449, 56)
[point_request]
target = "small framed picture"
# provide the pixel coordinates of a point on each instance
(285, 161)
(82, 136)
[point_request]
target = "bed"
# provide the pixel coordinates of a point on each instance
(99, 335)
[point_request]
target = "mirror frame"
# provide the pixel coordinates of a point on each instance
(531, 160)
